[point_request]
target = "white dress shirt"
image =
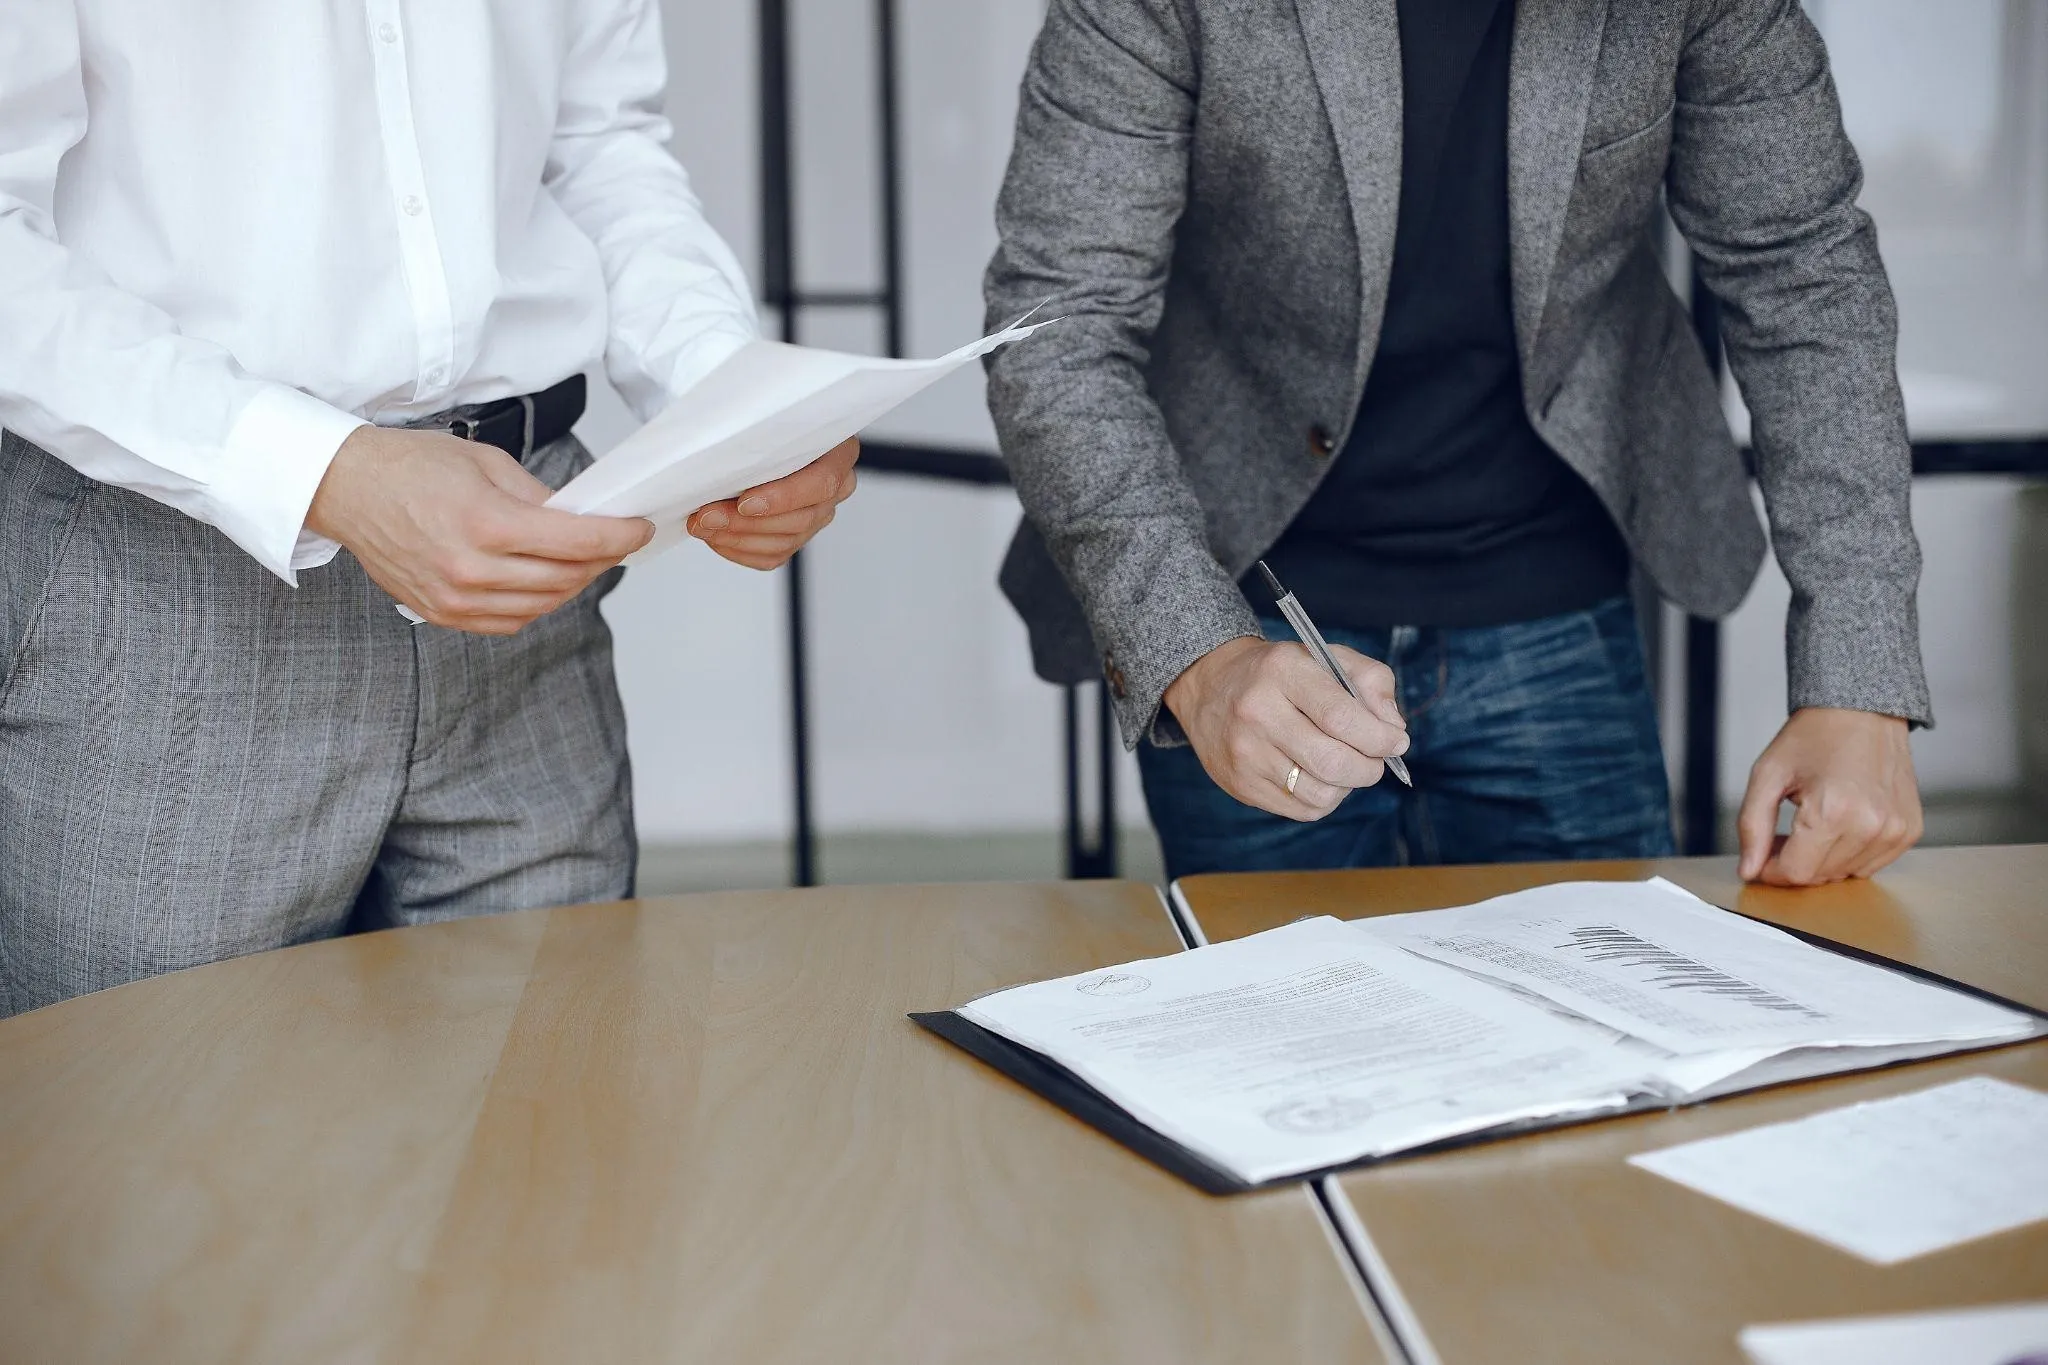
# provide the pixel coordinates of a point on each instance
(232, 231)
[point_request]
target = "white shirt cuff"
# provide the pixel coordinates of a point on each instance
(271, 465)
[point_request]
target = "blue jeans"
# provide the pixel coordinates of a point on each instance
(1530, 741)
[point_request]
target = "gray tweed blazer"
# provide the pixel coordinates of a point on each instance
(1209, 189)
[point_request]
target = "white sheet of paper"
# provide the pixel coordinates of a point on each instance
(1308, 1046)
(1654, 961)
(2002, 1334)
(1889, 1179)
(766, 412)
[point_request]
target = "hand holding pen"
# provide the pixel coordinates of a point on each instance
(1297, 617)
(1275, 728)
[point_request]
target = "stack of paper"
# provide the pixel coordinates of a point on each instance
(1323, 1042)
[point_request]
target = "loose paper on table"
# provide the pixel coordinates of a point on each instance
(1887, 1180)
(2000, 1334)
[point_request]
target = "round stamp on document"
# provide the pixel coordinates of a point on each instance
(1114, 983)
(1329, 1114)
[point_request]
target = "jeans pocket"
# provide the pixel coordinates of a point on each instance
(1620, 636)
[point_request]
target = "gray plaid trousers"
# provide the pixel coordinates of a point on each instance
(197, 761)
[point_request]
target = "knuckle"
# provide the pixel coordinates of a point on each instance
(480, 527)
(1327, 712)
(468, 571)
(1333, 762)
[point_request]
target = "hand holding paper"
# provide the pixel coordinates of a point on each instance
(766, 524)
(770, 411)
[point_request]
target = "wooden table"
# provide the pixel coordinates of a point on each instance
(696, 1129)
(1551, 1248)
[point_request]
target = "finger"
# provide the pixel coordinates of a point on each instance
(1338, 715)
(548, 533)
(1757, 823)
(452, 608)
(712, 516)
(1374, 682)
(1254, 771)
(1800, 861)
(762, 562)
(817, 482)
(1309, 790)
(777, 548)
(1321, 755)
(474, 572)
(1884, 850)
(802, 524)
(472, 624)
(1904, 829)
(1859, 829)
(1311, 799)
(506, 473)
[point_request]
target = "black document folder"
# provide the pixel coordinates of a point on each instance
(1059, 1085)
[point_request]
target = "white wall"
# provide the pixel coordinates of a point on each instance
(925, 711)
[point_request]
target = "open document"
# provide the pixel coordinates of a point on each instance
(766, 412)
(1325, 1043)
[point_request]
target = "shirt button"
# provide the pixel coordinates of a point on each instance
(412, 205)
(387, 33)
(435, 375)
(1320, 443)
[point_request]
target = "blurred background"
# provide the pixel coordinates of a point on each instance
(934, 754)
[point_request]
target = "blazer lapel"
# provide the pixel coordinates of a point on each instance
(1550, 83)
(1354, 47)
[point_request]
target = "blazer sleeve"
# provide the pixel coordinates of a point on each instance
(1763, 183)
(1096, 184)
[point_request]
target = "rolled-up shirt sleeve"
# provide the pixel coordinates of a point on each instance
(103, 379)
(679, 302)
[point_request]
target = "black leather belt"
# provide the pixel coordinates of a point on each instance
(519, 426)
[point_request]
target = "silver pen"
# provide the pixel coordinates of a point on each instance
(1312, 639)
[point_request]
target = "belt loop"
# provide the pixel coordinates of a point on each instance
(526, 437)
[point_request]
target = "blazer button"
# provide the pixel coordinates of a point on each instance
(1320, 443)
(1113, 675)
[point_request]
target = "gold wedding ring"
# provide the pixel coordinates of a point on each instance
(1293, 776)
